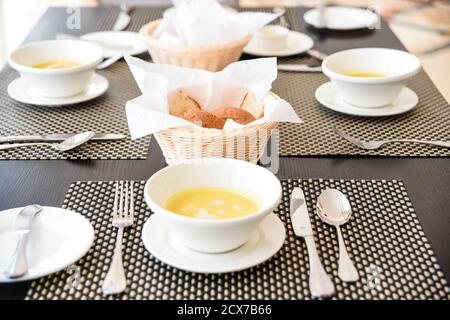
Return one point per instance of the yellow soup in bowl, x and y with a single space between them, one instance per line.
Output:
211 203
56 64
362 74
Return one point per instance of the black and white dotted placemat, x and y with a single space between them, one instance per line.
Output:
384 238
429 120
104 114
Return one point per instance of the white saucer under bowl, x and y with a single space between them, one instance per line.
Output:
263 244
58 239
297 43
21 91
342 18
328 96
117 42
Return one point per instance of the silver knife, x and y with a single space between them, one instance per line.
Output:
123 19
299 68
60 137
22 226
320 283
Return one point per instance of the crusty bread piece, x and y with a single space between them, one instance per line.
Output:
239 115
180 103
204 118
250 105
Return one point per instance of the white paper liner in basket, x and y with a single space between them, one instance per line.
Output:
182 140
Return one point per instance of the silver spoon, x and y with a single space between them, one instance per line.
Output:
68 144
333 208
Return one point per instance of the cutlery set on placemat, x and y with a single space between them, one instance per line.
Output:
334 209
72 141
272 264
41 102
42 226
52 248
69 141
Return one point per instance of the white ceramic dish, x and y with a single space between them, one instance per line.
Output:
329 97
57 83
213 235
397 67
20 90
116 43
297 43
264 242
271 37
342 18
58 238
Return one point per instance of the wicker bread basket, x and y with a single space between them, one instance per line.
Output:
247 143
212 58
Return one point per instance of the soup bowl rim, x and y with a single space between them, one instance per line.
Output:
97 57
334 75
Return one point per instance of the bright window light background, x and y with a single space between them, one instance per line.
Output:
17 18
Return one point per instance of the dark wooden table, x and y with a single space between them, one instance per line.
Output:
46 182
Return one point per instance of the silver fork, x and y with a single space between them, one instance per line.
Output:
123 216
375 144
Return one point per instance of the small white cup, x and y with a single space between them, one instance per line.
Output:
271 38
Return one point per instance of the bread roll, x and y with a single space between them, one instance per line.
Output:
250 105
180 103
204 118
238 115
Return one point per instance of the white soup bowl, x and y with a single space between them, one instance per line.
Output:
57 83
396 66
219 235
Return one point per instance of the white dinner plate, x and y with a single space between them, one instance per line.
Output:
263 244
58 238
297 43
328 96
20 90
342 18
117 42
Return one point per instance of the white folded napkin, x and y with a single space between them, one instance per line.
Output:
149 113
200 23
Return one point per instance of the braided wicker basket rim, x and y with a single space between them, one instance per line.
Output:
208 133
149 28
